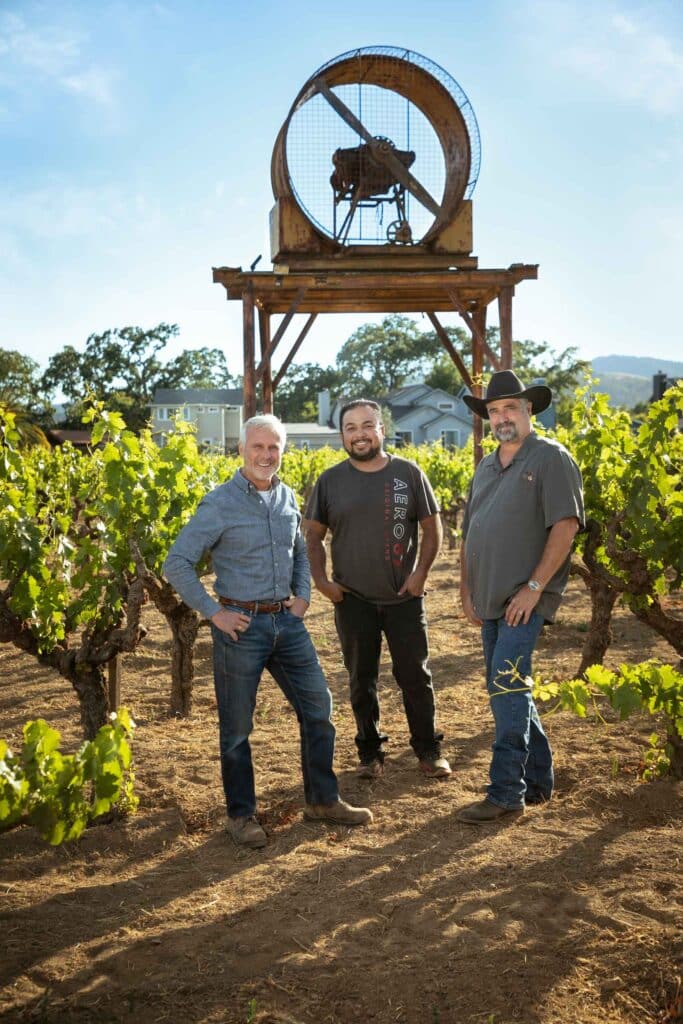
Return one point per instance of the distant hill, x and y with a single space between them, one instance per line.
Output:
624 389
637 366
628 379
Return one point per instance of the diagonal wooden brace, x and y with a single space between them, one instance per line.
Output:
473 327
452 351
277 337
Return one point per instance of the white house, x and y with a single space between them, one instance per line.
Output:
217 415
215 412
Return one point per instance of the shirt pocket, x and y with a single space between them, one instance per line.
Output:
286 528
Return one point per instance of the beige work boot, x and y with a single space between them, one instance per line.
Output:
338 813
247 832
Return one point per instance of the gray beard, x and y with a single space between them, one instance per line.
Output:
509 429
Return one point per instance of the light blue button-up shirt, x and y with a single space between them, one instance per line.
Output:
256 546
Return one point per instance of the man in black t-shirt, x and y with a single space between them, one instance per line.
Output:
372 503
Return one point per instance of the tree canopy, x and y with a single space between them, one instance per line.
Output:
122 368
20 382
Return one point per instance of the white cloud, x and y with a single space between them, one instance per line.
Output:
616 47
94 84
53 53
60 212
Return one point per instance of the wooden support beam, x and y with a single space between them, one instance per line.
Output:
249 383
295 348
478 332
266 375
114 682
471 321
452 351
277 337
505 320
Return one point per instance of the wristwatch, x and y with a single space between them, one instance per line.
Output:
534 585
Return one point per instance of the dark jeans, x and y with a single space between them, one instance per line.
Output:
360 625
281 644
522 763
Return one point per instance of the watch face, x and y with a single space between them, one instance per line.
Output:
534 585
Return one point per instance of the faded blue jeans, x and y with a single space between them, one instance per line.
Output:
280 643
522 763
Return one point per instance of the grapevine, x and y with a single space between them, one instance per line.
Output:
60 793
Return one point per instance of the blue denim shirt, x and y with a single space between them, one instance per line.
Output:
257 548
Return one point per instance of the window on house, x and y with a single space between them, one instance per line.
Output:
188 414
445 405
450 438
404 437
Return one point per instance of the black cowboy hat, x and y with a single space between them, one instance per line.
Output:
506 384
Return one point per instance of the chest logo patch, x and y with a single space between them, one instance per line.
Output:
529 477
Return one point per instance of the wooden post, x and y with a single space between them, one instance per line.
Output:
478 333
266 375
114 681
505 320
249 384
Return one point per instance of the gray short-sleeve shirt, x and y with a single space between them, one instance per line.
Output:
507 519
374 522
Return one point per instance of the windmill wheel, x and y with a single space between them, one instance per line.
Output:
375 127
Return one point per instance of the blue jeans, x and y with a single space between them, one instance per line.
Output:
522 763
280 643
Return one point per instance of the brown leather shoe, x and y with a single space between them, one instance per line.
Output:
338 813
435 767
485 812
247 832
370 770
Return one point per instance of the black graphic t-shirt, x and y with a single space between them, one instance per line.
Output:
373 518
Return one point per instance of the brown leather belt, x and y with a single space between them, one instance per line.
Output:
267 607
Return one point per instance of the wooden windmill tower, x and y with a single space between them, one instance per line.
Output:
373 172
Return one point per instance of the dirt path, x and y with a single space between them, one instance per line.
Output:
565 916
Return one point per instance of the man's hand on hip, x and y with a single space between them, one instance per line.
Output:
232 623
415 584
331 590
297 605
521 606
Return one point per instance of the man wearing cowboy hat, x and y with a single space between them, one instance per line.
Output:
524 509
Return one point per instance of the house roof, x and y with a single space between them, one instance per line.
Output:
76 437
197 396
295 429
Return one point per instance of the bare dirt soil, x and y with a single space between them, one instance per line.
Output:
567 915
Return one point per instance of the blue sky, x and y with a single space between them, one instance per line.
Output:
135 145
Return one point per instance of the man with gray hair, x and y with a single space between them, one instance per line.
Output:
251 527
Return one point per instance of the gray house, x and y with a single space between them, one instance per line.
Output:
215 412
420 414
